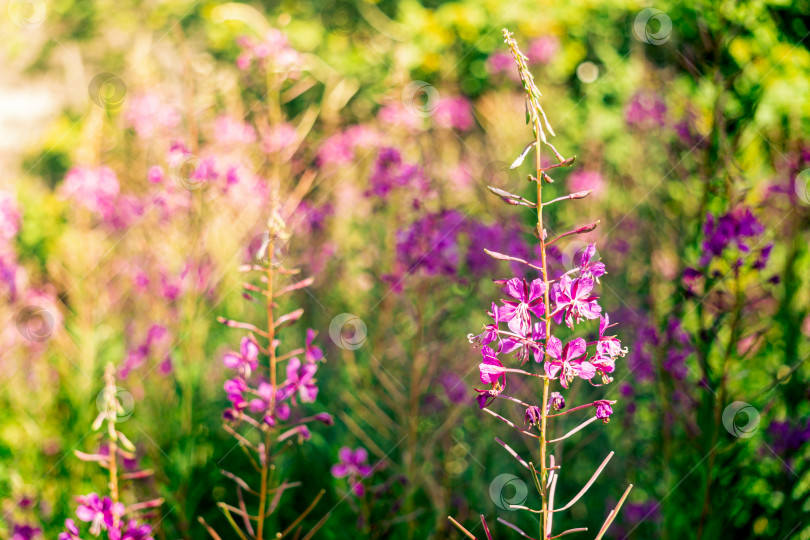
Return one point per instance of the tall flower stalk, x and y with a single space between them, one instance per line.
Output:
264 416
109 514
565 300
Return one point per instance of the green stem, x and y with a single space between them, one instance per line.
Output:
271 333
546 382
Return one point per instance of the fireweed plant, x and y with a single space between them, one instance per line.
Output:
265 413
108 514
523 330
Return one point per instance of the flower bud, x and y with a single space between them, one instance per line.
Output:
533 416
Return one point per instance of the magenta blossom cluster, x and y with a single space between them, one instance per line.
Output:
646 110
148 114
24 531
446 242
518 329
274 48
250 393
97 189
454 113
104 515
342 147
391 172
735 228
788 436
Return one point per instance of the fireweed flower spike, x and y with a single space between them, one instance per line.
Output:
266 413
107 514
536 305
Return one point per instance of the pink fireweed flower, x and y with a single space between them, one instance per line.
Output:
95 189
353 464
340 148
530 301
533 416
274 47
573 301
9 217
235 388
485 397
300 378
567 362
557 401
491 368
502 62
312 353
490 332
278 138
264 401
603 410
395 114
147 114
134 531
608 345
24 531
454 113
232 132
71 532
585 180
246 360
608 348
523 345
543 49
100 513
588 267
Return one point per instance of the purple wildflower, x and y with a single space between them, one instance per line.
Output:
235 389
454 113
788 437
312 353
530 302
608 348
732 228
100 513
573 301
603 410
567 362
431 244
354 465
134 531
645 110
490 332
95 189
72 531
454 388
23 531
543 49
148 115
300 378
391 172
491 368
525 344
533 415
556 401
246 360
264 401
586 266
585 180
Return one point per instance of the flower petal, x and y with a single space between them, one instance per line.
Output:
554 347
515 288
